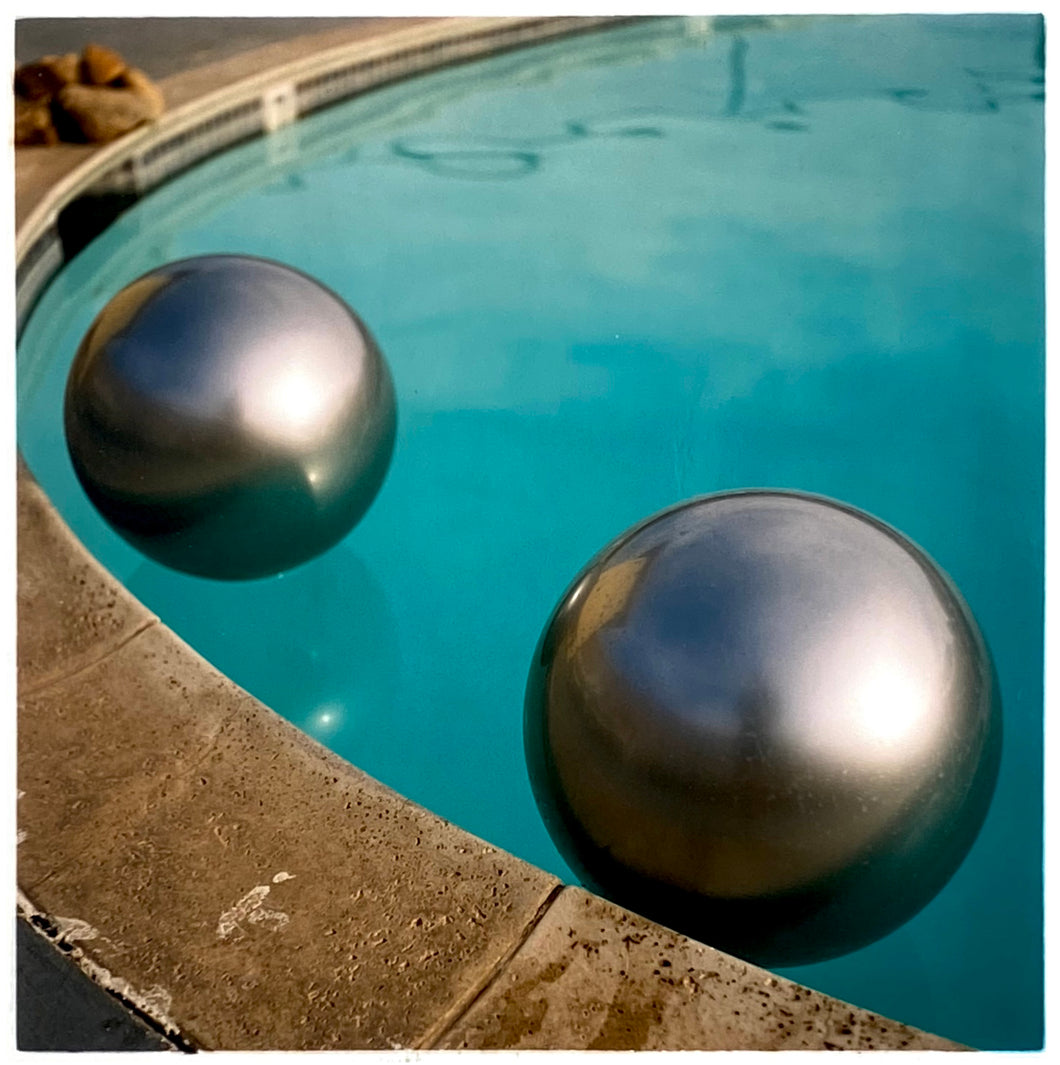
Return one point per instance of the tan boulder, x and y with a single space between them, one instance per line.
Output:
66 67
92 97
33 123
100 113
100 66
138 82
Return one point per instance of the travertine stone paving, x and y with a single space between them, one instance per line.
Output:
593 976
70 610
239 876
107 742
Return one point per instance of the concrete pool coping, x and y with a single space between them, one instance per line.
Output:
235 884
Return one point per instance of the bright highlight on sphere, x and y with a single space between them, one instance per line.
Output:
767 720
229 416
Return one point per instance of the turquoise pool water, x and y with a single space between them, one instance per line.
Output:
611 273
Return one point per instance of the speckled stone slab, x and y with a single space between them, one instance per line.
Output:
102 746
593 976
71 611
244 885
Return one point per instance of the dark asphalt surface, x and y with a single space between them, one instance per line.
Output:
60 1008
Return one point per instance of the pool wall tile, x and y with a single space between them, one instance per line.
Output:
71 612
37 266
593 976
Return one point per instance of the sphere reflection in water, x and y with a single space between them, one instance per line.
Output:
229 416
767 720
333 668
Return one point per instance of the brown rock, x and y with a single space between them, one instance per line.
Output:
33 123
98 113
138 82
37 81
67 67
100 66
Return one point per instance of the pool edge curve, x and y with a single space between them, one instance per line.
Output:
237 885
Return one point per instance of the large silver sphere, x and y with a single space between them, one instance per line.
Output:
767 720
229 416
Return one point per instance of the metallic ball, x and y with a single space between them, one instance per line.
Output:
767 720
229 416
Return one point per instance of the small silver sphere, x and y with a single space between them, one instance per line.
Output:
766 720
229 416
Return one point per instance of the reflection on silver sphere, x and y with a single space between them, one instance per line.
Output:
229 416
767 720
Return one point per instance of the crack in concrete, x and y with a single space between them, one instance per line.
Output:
452 1017
61 675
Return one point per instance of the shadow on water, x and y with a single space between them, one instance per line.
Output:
737 76
331 668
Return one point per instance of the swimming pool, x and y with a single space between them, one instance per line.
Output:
837 287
